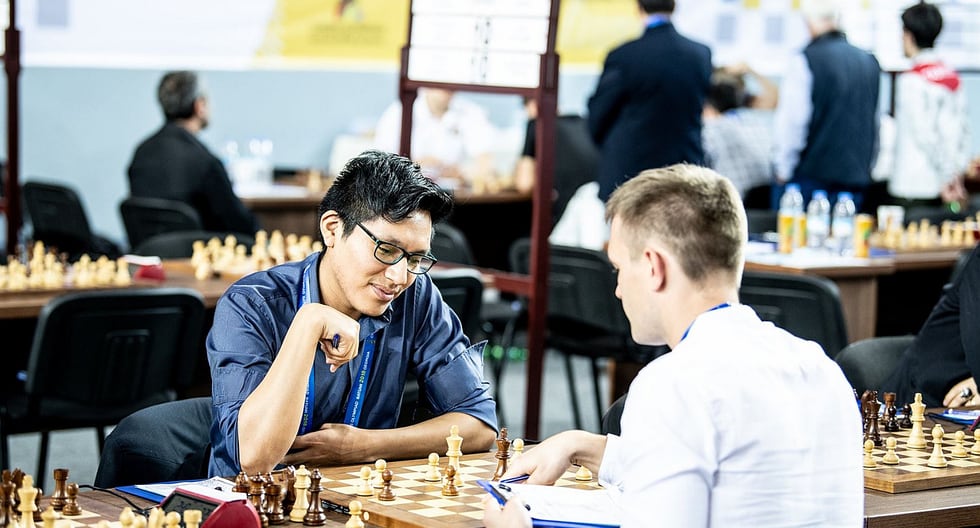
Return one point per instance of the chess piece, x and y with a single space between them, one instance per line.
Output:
890 457
906 421
256 496
959 450
314 514
241 483
917 438
502 455
71 507
869 459
155 518
583 474
432 475
172 520
938 459
48 517
122 277
28 494
449 486
60 495
870 407
127 518
37 506
6 499
891 412
386 494
356 521
518 445
976 442
302 501
192 518
365 489
455 443
379 466
273 504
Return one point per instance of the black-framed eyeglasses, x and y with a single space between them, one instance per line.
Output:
390 254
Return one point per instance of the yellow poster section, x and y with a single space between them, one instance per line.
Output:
374 31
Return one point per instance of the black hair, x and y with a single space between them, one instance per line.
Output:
177 93
727 91
379 184
924 22
657 6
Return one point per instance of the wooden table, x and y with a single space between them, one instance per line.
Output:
860 282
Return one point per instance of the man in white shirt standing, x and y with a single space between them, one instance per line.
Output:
932 130
452 139
742 424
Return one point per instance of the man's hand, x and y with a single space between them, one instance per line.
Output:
511 515
547 462
331 445
962 394
337 334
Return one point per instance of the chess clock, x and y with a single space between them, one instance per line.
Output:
218 509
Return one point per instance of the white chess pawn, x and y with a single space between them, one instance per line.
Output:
380 465
976 442
365 489
869 459
433 475
518 446
890 457
938 459
959 450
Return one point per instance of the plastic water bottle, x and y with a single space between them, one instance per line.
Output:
817 220
842 225
790 213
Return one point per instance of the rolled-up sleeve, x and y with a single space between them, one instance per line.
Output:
450 369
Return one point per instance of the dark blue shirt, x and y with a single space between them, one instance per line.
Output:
418 333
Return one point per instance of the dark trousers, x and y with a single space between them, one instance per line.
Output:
163 443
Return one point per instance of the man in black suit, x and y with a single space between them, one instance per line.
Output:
173 164
646 110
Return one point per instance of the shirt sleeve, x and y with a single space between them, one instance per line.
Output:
792 119
450 370
607 101
225 204
239 356
477 131
663 461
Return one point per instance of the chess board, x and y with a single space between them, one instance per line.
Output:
87 518
912 473
420 504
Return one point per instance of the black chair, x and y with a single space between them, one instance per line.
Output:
59 220
164 443
449 244
98 356
462 289
806 306
576 165
584 316
146 217
180 244
758 197
869 362
610 423
761 220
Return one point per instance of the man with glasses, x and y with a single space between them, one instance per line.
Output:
309 359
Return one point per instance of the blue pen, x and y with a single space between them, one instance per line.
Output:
512 480
336 340
496 493
957 412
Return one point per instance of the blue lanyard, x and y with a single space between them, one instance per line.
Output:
359 388
719 307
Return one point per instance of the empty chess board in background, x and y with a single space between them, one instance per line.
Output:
420 504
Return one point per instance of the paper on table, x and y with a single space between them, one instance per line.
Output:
164 489
569 505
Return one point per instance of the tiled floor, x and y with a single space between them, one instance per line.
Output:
77 450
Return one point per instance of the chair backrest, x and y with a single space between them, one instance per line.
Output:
761 220
610 423
462 289
806 306
180 244
449 245
578 163
115 351
869 362
758 197
146 217
57 216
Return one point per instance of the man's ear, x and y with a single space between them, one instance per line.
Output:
331 228
656 264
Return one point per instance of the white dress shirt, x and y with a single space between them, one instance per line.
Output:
792 121
932 130
742 424
455 138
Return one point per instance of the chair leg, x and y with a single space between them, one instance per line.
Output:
598 393
42 459
570 373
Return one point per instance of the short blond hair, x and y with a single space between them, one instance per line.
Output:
694 210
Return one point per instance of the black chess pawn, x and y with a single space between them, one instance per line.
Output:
71 503
273 504
906 422
241 483
891 412
386 494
